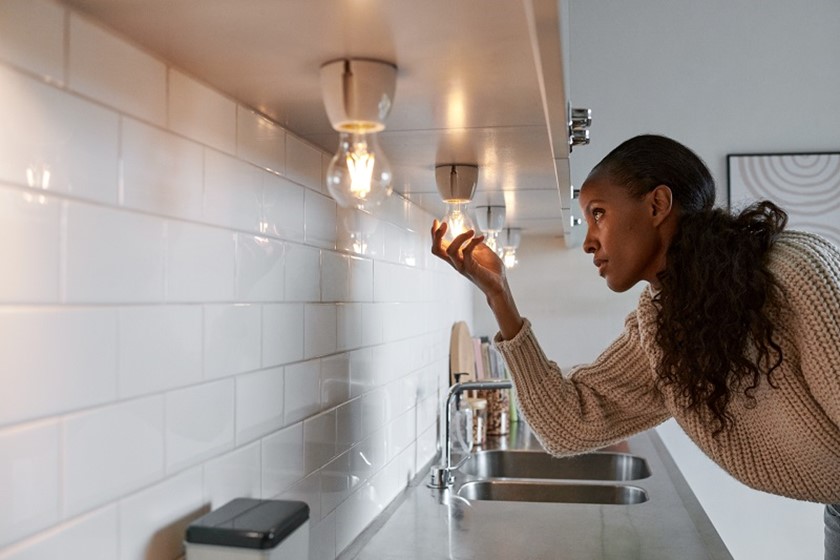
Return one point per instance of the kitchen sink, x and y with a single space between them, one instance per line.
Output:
537 464
555 492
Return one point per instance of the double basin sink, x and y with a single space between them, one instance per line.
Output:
535 476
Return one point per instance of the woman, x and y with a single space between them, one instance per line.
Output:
737 335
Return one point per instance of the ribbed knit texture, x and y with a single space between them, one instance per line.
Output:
787 442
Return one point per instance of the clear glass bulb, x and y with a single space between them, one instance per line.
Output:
492 241
457 220
509 257
359 175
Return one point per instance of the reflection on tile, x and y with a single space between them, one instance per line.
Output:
302 392
110 70
111 451
199 423
282 335
402 432
374 410
159 348
303 163
350 326
303 273
200 263
282 208
259 404
335 277
161 172
362 372
29 461
93 536
55 141
124 266
232 339
320 220
153 522
335 380
201 113
307 490
234 475
361 279
32 36
282 460
232 192
372 324
336 483
320 329
356 232
322 540
260 268
426 447
319 440
57 360
349 425
260 141
29 238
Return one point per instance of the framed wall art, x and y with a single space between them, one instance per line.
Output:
805 185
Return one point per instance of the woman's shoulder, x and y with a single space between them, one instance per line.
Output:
805 256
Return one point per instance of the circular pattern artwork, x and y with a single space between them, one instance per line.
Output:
806 186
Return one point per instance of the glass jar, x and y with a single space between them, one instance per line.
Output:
498 411
479 420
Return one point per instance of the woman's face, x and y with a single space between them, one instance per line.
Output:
623 233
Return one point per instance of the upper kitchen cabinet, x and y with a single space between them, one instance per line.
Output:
478 82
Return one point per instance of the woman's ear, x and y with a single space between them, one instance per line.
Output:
661 203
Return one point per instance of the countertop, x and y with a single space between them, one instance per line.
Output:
424 523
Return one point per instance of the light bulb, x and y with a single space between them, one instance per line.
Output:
359 175
509 257
457 220
491 240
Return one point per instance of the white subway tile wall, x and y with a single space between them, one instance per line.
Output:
186 316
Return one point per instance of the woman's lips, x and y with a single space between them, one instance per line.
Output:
600 263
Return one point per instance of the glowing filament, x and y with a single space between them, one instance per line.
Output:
360 166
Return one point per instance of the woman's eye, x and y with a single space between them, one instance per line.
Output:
597 214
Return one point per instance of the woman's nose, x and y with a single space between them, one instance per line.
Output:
589 243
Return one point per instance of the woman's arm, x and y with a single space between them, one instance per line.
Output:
477 262
601 403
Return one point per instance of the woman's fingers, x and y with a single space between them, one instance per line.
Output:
438 231
474 242
455 247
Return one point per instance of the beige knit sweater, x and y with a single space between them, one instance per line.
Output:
787 444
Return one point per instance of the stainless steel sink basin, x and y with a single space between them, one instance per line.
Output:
537 464
525 491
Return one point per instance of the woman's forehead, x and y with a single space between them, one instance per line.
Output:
601 187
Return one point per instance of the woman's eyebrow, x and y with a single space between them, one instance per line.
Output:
592 202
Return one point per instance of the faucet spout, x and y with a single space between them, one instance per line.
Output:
441 475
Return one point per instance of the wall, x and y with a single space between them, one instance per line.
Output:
570 307
722 77
185 316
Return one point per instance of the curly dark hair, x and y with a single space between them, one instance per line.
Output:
717 296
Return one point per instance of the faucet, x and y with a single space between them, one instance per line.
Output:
441 474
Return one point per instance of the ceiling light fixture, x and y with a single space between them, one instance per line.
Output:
358 95
510 239
491 220
456 184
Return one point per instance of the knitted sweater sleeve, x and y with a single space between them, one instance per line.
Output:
811 269
599 404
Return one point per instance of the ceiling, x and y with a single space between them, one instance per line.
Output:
479 82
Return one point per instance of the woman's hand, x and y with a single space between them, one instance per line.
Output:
482 266
471 257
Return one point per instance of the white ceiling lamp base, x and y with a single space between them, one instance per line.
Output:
491 220
509 240
358 95
456 184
